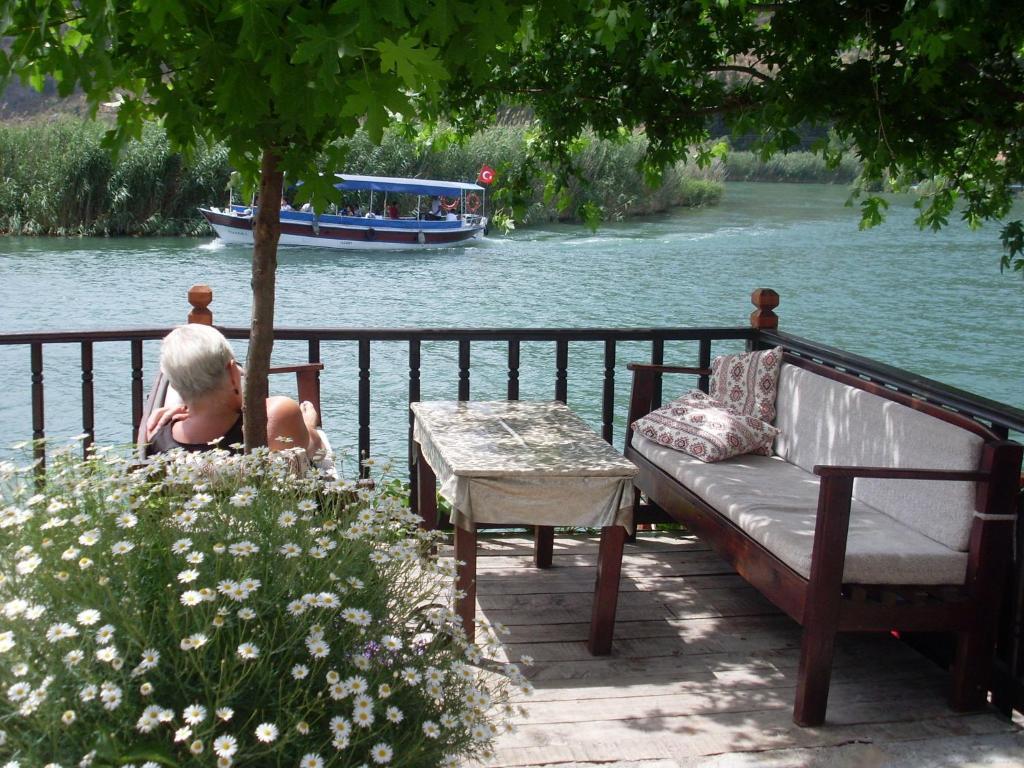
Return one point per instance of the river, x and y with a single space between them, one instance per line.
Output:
933 303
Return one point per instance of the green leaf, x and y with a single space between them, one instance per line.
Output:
416 66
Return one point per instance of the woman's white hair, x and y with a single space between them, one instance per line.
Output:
195 358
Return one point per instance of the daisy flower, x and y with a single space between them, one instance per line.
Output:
306 505
299 671
198 640
225 713
311 760
430 729
248 652
105 634
356 685
181 546
287 519
246 614
188 576
382 753
266 732
182 734
19 691
194 558
88 617
290 550
318 649
394 714
391 643
68 717
225 746
191 598
340 727
194 714
73 658
126 520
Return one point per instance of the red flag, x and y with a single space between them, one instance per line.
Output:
486 175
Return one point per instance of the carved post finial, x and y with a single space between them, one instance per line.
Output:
763 318
200 296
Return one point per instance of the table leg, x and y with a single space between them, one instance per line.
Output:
606 590
465 582
426 491
543 545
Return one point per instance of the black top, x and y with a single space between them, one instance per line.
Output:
164 441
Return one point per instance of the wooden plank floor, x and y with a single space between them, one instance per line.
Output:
703 671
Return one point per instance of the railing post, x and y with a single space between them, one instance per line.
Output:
88 399
561 370
364 405
463 369
38 416
608 404
513 369
657 358
414 396
200 296
136 385
763 318
704 361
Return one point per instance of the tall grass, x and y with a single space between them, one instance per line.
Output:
799 167
609 173
56 178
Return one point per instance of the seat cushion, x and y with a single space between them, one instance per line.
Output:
823 421
775 503
748 381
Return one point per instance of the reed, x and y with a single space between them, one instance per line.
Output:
795 167
59 180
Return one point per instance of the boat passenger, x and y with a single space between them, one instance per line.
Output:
201 367
434 214
284 204
393 211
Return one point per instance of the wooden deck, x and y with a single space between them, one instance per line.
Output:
703 670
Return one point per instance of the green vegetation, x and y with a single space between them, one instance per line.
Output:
59 180
801 167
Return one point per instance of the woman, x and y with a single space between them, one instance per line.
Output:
200 366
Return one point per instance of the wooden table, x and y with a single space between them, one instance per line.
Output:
524 463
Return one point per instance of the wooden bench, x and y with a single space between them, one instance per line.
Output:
877 512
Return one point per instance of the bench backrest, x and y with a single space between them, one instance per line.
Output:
828 421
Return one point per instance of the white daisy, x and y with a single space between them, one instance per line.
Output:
105 634
19 691
306 505
126 520
69 717
62 631
318 649
188 576
181 546
300 671
430 729
122 547
290 550
225 713
266 732
248 652
382 753
394 714
191 598
194 714
246 614
225 746
340 727
311 760
287 519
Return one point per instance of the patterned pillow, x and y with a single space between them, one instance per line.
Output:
748 382
706 429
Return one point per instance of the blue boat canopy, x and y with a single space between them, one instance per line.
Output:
352 182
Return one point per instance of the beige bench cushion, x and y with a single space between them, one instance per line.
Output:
775 503
822 421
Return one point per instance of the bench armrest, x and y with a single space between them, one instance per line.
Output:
641 399
898 473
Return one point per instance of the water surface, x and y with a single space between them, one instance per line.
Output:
933 303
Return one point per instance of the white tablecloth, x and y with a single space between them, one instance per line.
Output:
523 462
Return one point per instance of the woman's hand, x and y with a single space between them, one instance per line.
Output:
163 415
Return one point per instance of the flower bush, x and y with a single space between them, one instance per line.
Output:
219 610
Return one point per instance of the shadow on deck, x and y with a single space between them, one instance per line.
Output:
703 672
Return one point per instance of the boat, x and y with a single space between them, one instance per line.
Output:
460 220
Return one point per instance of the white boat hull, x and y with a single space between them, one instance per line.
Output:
350 233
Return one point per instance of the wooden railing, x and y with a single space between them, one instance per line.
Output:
1008 685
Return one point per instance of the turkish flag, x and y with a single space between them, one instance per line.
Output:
486 175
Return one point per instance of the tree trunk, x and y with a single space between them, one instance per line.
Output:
265 234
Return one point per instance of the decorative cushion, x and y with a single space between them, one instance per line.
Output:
748 382
706 429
